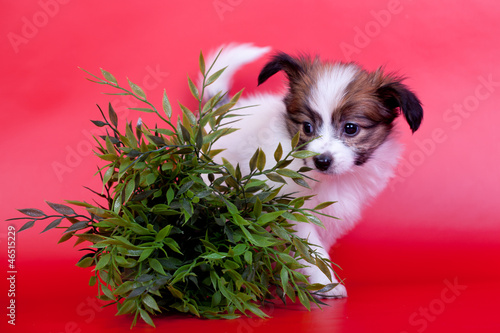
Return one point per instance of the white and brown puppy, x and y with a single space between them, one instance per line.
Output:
349 112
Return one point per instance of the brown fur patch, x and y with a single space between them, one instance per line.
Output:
298 110
362 105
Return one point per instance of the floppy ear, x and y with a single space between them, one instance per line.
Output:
281 62
396 94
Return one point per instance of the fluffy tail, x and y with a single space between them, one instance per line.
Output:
232 56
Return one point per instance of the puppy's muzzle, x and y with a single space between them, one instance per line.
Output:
323 161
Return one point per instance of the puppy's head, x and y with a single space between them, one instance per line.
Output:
348 111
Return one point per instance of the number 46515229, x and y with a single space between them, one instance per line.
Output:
11 246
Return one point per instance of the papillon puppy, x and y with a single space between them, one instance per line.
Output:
344 113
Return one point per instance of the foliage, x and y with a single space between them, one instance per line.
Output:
181 232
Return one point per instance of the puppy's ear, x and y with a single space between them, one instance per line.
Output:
281 62
396 94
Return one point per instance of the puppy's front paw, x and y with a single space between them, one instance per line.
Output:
333 290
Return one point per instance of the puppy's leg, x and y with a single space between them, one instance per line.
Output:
315 275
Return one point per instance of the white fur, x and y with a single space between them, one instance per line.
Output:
328 92
233 56
264 126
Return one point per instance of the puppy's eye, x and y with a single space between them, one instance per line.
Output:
351 129
308 128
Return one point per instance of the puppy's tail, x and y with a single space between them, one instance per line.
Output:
233 57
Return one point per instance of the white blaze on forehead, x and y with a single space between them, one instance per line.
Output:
325 97
329 89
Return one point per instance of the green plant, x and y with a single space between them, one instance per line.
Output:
177 231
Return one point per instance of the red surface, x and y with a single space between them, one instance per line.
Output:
438 220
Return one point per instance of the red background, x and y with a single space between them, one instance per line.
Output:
438 220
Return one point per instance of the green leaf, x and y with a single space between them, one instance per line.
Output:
257 208
257 240
222 110
261 160
120 240
324 205
53 224
167 108
85 262
112 115
65 237
248 257
172 244
269 217
253 160
185 134
77 226
98 123
163 233
79 203
304 300
199 138
103 261
128 306
315 220
236 97
284 277
301 182
303 250
289 173
216 298
324 268
214 76
187 113
147 319
239 249
193 89
185 187
108 76
27 225
61 209
280 232
272 194
215 256
213 136
202 63
284 163
295 140
304 154
145 254
278 153
148 110
130 136
110 147
255 310
92 281
150 301
297 202
136 89
275 178
107 293
170 195
33 212
155 264
176 293
108 157
136 292
129 189
93 238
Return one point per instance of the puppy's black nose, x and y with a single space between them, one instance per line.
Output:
323 161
